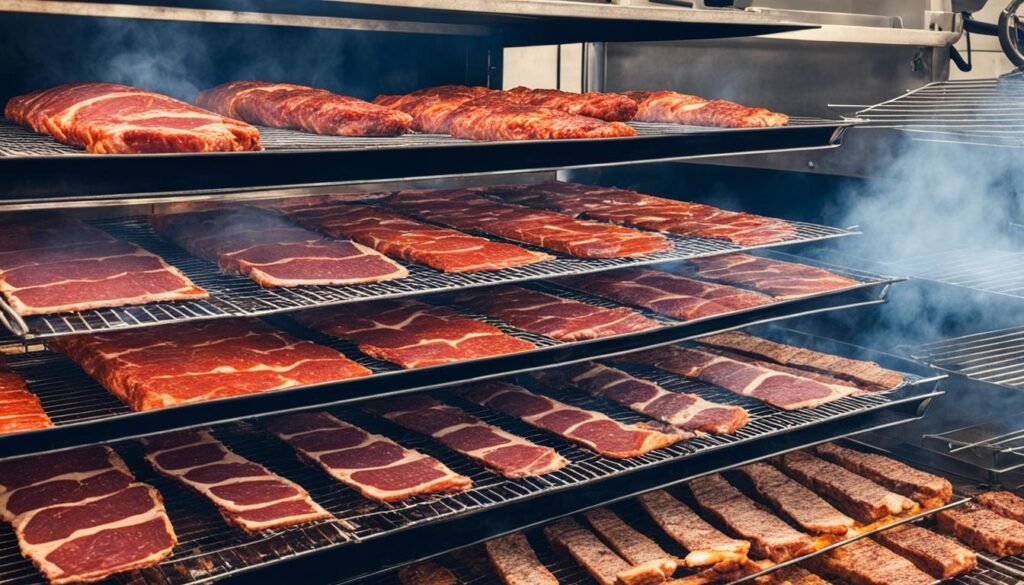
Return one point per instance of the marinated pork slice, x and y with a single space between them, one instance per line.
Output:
402 237
247 495
505 453
757 380
925 488
1004 503
272 251
606 567
869 375
769 536
679 108
704 543
797 502
589 428
556 317
466 210
412 334
203 360
647 211
285 105
374 465
610 107
861 498
669 294
80 516
492 117
780 279
688 412
432 107
865 562
628 543
983 529
516 563
936 555
20 409
108 118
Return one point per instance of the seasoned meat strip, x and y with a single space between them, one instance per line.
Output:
630 544
797 502
936 555
865 562
983 529
705 544
922 487
601 562
516 563
1006 504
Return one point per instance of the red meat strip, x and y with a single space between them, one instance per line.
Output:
647 211
272 251
781 389
402 237
412 334
53 264
779 279
490 117
769 536
611 107
430 108
80 516
199 361
559 318
586 427
20 409
375 466
505 453
247 495
868 375
284 105
107 118
685 411
679 108
466 210
669 294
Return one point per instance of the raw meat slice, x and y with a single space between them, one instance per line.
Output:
780 279
755 379
669 294
20 409
375 466
107 118
610 107
791 575
516 563
865 562
704 543
861 498
586 427
983 529
797 502
272 251
412 334
247 495
936 555
606 567
924 488
52 264
647 211
431 107
402 237
679 409
1006 504
679 108
80 516
284 105
636 548
769 536
427 573
203 360
493 117
559 318
505 453
468 211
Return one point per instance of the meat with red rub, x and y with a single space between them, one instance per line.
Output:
678 108
611 107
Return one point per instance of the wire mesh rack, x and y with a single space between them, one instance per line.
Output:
996 357
986 112
236 296
992 271
208 550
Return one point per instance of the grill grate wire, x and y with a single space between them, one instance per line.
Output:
996 357
209 550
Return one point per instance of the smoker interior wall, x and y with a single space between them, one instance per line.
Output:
179 58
